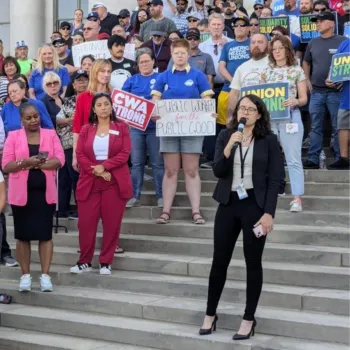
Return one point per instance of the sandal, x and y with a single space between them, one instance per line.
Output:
162 219
199 220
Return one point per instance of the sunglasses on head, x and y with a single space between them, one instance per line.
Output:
53 83
240 25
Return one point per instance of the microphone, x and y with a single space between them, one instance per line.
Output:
240 129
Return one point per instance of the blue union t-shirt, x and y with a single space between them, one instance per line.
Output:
344 47
234 54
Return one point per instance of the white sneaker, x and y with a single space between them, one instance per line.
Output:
45 283
105 269
133 202
81 268
295 206
160 203
25 283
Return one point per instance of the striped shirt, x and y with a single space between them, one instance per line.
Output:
3 88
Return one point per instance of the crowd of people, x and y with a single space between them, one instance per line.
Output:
57 120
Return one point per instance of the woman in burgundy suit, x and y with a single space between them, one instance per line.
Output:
104 184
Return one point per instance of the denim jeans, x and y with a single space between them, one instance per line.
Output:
318 103
291 144
143 142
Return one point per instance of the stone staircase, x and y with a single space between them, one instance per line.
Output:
156 296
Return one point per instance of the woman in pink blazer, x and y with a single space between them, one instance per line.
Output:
31 156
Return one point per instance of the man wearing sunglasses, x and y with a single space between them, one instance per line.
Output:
65 30
124 21
258 7
66 60
193 20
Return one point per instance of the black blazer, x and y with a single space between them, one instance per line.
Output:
266 171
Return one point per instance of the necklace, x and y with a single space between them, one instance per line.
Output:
246 138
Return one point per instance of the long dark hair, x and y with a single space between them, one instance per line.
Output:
137 24
93 117
262 125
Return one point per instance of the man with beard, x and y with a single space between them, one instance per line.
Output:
156 10
122 68
24 62
200 8
230 13
290 9
249 73
180 18
305 7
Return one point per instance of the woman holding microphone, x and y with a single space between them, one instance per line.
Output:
247 165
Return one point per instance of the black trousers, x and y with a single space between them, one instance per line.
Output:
229 220
5 248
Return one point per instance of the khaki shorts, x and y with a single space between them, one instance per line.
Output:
344 119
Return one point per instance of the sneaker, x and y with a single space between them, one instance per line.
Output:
340 164
295 206
282 194
25 283
160 203
81 268
73 216
306 143
308 164
207 165
45 283
133 202
9 261
105 269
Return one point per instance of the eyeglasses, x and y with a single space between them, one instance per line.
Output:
320 10
240 25
142 16
249 110
87 29
280 48
192 38
254 25
93 19
192 20
65 28
258 8
59 45
53 83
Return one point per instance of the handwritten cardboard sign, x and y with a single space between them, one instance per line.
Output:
267 24
308 29
98 49
185 117
273 95
340 67
134 110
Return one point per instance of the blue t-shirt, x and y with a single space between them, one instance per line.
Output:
344 47
186 84
12 119
36 80
141 86
295 12
234 54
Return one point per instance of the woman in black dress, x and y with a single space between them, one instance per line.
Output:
31 157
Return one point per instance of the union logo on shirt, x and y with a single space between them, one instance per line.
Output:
189 82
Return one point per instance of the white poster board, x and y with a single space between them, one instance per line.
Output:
186 117
98 49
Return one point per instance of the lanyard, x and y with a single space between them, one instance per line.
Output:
154 50
243 158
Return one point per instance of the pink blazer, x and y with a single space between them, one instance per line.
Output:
16 147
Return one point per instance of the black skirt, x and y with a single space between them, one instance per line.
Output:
33 222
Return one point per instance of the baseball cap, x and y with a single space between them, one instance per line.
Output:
92 14
80 73
65 24
59 42
158 28
21 43
78 31
259 2
124 13
242 18
156 2
323 16
194 15
193 33
96 5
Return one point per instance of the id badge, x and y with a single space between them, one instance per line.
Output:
292 128
241 191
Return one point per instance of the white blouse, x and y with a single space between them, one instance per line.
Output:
248 168
100 147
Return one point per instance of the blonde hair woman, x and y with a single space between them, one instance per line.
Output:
47 62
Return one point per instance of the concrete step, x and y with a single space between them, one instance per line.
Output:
196 247
334 203
274 272
326 176
332 301
19 339
141 332
311 188
296 324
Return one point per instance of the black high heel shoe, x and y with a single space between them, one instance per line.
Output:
243 337
206 331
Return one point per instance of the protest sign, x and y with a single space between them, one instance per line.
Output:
340 67
134 110
273 95
130 51
267 24
308 29
186 117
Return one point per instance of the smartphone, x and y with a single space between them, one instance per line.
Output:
43 155
258 231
